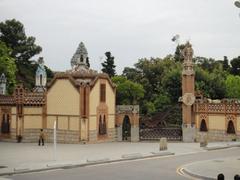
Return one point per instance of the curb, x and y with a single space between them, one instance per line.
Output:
186 171
127 157
222 147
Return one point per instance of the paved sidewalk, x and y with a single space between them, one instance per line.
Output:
211 168
25 157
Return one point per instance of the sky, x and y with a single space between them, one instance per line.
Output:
129 29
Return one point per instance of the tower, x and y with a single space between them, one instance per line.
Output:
41 76
188 94
79 60
3 83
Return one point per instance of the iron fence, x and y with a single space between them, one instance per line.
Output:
172 134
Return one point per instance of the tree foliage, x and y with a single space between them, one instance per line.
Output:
23 48
108 65
7 66
128 92
233 86
12 32
235 63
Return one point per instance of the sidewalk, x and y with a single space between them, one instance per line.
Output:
211 168
27 157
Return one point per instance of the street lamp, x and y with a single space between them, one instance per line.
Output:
237 3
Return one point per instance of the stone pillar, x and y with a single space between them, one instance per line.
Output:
119 133
134 133
188 133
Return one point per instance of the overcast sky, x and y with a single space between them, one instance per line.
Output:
130 29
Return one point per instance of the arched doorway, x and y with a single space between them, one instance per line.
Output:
230 128
5 124
203 126
126 129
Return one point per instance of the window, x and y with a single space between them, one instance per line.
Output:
102 129
103 92
230 128
104 125
84 102
40 79
81 58
5 126
203 126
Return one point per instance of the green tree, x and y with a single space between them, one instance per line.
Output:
235 63
178 57
128 92
12 32
233 86
225 62
23 48
108 65
7 66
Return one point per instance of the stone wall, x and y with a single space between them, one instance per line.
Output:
30 135
63 136
92 135
217 135
112 136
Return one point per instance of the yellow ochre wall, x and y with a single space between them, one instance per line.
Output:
238 123
110 101
33 122
63 98
94 99
63 123
74 123
33 117
217 122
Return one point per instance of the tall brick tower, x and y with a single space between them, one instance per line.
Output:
188 96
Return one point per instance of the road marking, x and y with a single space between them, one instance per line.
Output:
181 173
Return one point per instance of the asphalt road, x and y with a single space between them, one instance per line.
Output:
148 169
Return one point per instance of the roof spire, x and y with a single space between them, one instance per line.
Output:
80 58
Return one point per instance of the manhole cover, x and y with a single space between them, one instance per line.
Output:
218 161
3 167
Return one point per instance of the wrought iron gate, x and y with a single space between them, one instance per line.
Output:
172 134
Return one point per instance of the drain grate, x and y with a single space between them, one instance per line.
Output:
3 167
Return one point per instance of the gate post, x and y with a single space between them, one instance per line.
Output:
119 133
132 111
134 133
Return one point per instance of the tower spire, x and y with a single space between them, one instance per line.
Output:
80 58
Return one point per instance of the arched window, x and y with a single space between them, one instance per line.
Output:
100 125
104 125
5 125
40 79
203 126
230 128
81 58
102 128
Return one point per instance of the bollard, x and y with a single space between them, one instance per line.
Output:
220 177
163 144
203 141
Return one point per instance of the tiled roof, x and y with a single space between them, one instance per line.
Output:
6 100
